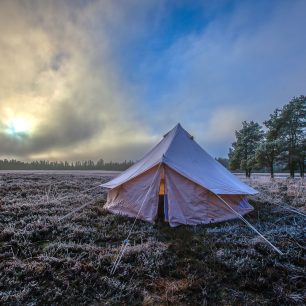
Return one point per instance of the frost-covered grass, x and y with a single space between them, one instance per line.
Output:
288 192
45 261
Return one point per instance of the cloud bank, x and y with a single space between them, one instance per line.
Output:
59 77
106 78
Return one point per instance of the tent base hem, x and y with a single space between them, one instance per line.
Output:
174 223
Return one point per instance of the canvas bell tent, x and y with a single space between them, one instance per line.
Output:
179 182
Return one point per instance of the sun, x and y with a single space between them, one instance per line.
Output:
19 126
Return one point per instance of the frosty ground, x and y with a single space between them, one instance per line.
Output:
44 260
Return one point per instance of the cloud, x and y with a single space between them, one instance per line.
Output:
221 125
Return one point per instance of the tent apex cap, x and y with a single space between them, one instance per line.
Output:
178 127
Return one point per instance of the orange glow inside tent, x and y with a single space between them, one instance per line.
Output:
162 187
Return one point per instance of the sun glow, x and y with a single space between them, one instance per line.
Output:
19 126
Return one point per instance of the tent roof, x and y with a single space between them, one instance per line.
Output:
179 151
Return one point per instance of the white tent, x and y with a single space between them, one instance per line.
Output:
190 183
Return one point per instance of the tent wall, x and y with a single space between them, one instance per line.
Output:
140 192
190 203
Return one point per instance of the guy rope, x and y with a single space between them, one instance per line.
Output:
251 226
126 241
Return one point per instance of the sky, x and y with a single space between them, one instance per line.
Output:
107 78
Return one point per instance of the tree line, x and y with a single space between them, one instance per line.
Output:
64 165
279 142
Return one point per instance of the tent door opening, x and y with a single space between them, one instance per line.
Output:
162 211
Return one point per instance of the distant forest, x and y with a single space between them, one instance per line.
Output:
64 165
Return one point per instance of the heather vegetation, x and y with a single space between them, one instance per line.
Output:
44 260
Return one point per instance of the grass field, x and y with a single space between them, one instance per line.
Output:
47 261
